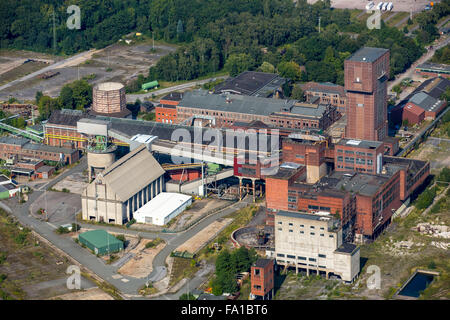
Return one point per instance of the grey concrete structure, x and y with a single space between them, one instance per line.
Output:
313 242
122 188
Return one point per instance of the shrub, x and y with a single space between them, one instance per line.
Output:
121 237
62 230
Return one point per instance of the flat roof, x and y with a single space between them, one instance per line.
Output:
346 248
7 186
436 67
309 216
106 86
363 144
14 140
251 83
262 263
201 99
367 54
364 184
163 205
45 169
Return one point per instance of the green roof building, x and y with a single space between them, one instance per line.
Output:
100 241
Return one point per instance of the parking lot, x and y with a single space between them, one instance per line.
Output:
62 206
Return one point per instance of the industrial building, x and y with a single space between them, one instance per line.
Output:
431 69
100 242
262 279
366 75
252 83
163 208
313 242
122 188
326 92
19 148
8 188
108 99
223 110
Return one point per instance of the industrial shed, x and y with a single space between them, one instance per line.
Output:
100 241
123 187
163 208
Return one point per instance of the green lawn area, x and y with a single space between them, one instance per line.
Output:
393 21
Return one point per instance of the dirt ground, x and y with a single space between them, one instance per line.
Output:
434 150
140 265
201 238
90 294
117 62
29 269
198 209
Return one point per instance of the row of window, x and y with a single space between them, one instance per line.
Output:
289 256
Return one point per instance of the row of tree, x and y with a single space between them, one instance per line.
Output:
75 95
228 265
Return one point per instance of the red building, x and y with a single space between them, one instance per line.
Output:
366 75
358 155
326 92
61 129
166 111
262 279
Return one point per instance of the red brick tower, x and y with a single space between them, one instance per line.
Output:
366 75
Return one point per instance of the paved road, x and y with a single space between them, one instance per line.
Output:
131 98
48 68
127 285
409 73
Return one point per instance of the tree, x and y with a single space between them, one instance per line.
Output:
297 93
187 296
238 63
290 70
66 97
267 67
39 95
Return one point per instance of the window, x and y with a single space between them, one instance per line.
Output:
301 258
301 226
280 255
322 228
290 256
322 235
339 158
312 259
312 227
312 233
331 236
280 229
302 232
291 230
279 222
290 224
322 256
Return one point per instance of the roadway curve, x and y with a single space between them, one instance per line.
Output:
128 286
131 98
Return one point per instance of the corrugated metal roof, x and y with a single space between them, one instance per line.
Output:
162 205
100 238
132 173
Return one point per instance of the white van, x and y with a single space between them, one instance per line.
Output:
385 6
390 6
370 5
379 5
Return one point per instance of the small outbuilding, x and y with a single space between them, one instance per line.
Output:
100 241
163 208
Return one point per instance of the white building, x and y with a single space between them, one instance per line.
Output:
163 208
122 188
313 242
